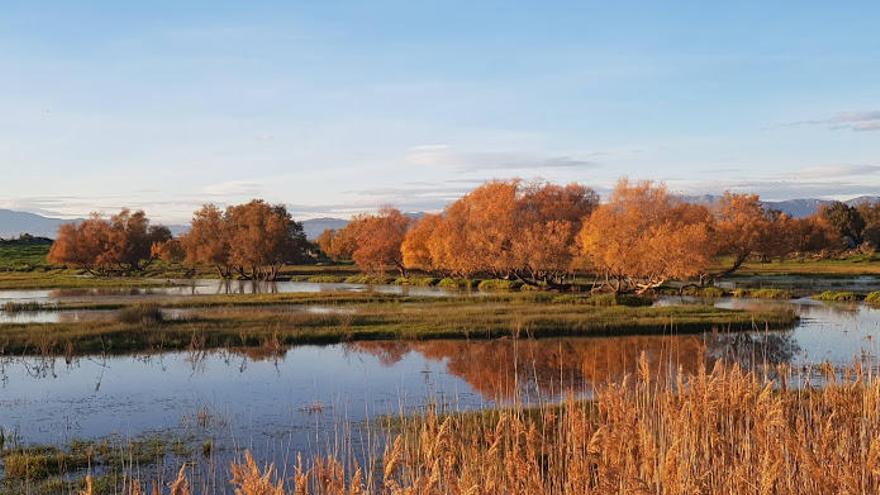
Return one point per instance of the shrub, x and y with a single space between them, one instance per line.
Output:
707 292
143 314
499 284
873 298
457 283
770 294
838 296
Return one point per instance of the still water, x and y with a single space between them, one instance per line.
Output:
296 400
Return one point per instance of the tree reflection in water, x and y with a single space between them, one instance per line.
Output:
506 369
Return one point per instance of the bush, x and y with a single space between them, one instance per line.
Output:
499 284
873 298
457 283
838 296
143 314
770 294
707 292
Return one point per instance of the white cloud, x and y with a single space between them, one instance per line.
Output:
233 188
441 155
854 121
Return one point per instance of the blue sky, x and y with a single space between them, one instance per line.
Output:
341 107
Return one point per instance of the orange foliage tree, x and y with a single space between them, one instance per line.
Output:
123 244
504 229
253 240
372 241
644 237
337 244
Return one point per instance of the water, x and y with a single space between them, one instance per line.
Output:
279 403
201 287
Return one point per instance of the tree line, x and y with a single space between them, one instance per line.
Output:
540 234
250 241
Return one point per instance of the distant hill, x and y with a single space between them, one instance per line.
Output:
315 226
15 223
797 208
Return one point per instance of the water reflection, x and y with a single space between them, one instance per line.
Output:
545 369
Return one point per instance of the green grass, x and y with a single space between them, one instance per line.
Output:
45 469
24 257
382 318
849 266
499 284
838 296
763 293
704 292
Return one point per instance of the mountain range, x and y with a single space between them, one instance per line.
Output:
797 208
14 223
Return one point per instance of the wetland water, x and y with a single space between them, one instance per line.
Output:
278 403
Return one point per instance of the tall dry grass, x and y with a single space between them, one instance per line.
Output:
719 431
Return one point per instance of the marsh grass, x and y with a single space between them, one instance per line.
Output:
45 469
30 306
839 296
142 327
141 314
873 299
763 293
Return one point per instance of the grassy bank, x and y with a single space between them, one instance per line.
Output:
371 317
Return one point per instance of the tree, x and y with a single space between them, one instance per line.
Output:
262 238
122 244
170 251
207 241
742 228
253 240
378 239
417 246
846 220
337 244
547 219
504 229
870 212
644 237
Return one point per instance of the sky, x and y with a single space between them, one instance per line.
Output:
336 107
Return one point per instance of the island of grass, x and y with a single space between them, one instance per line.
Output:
277 320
